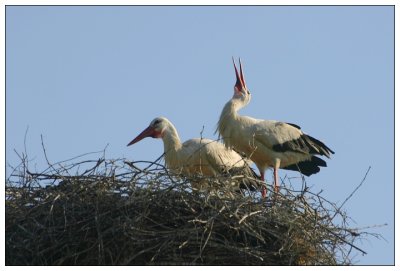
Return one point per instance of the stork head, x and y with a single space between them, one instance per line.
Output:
240 91
156 129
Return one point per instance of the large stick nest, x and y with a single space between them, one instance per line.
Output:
115 212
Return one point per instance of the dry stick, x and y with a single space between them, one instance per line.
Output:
45 154
247 215
345 241
60 176
73 158
99 235
155 162
26 152
162 166
23 164
352 193
51 166
101 160
338 210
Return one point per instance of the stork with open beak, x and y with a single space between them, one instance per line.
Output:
199 157
268 143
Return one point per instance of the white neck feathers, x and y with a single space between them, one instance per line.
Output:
172 142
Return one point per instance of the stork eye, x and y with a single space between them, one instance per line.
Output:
157 122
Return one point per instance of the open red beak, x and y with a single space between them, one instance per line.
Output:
240 83
149 131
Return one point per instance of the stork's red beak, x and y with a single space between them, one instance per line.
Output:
240 83
149 131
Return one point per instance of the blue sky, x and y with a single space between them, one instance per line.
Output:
85 77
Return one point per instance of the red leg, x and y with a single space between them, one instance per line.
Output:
264 188
276 182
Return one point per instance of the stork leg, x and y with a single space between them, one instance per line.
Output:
276 182
264 188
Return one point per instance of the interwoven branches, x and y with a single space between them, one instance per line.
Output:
115 212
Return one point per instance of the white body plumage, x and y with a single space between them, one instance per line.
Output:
197 157
268 143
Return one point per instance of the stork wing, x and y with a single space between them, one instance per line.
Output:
283 137
271 133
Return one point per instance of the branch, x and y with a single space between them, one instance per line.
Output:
352 193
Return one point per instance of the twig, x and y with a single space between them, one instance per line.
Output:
247 215
347 242
352 193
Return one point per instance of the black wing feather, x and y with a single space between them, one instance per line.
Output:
308 167
304 144
294 125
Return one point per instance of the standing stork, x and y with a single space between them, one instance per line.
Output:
268 143
199 156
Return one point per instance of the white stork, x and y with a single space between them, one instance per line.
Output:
268 143
199 156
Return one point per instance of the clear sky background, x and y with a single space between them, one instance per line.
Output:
85 77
